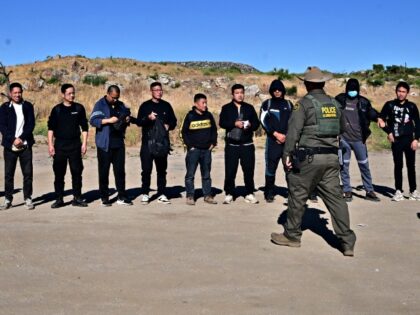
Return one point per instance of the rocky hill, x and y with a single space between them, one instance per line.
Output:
181 80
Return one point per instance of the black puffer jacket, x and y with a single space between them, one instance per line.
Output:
366 112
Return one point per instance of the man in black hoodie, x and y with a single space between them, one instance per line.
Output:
240 121
199 134
274 115
358 113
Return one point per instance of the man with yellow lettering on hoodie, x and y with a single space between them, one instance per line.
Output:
199 135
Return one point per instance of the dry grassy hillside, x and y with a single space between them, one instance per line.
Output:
91 77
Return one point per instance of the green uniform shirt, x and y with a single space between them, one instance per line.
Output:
304 115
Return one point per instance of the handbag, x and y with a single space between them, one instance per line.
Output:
235 134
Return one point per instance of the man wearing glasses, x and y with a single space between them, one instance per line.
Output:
149 112
111 118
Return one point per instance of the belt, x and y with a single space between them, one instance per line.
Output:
321 150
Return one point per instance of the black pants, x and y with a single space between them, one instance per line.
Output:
273 155
116 157
10 161
74 158
246 155
402 145
161 164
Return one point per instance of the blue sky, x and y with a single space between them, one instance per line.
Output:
340 36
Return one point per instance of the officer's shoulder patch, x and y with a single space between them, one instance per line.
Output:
296 106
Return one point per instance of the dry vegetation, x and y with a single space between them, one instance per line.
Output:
42 81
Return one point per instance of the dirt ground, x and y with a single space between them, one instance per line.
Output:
204 259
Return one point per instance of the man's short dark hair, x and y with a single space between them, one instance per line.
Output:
237 86
66 86
199 96
15 85
155 84
113 88
404 85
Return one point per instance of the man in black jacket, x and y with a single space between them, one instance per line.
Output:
64 125
149 111
240 121
274 115
399 118
358 113
17 123
199 134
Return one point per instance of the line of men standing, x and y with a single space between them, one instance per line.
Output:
68 133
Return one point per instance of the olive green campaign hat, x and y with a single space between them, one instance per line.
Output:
314 74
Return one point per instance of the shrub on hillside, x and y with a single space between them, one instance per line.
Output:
291 90
95 80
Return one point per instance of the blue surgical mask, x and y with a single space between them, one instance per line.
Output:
352 93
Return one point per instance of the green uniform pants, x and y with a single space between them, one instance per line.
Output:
321 172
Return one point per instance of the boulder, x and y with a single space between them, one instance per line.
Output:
252 90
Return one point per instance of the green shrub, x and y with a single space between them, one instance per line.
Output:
378 139
378 68
41 128
375 82
95 80
291 90
3 80
53 80
282 74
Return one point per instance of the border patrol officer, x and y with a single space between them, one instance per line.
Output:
310 155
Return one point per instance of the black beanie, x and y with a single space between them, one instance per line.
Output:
277 85
353 85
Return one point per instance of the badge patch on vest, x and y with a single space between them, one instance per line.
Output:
200 124
329 111
296 106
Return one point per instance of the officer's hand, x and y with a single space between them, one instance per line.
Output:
414 145
51 150
239 124
287 163
391 138
381 123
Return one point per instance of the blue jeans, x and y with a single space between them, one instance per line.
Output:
360 151
193 158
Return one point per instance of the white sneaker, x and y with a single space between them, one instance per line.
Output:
228 199
29 205
7 204
415 195
145 199
163 199
398 196
251 199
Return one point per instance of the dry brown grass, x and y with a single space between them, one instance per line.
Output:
137 91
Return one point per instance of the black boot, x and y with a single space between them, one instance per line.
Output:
269 188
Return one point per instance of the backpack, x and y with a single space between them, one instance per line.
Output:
158 142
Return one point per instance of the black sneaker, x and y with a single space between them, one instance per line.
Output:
57 204
348 196
371 196
124 202
79 202
106 203
269 198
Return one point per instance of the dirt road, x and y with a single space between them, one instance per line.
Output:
204 259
